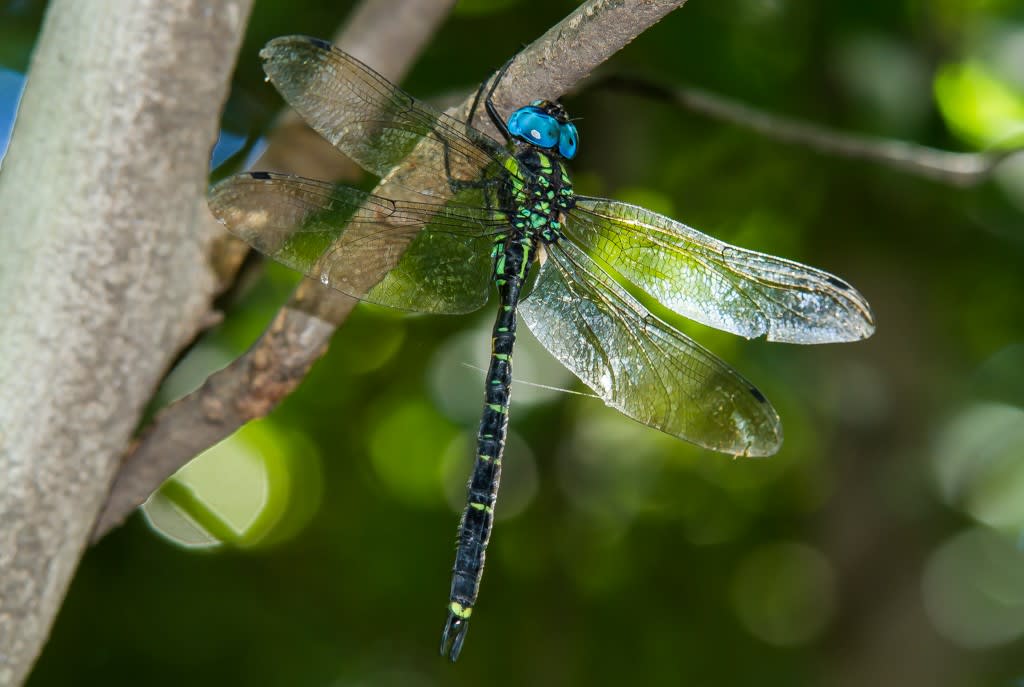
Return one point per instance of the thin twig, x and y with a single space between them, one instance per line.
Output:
253 385
956 169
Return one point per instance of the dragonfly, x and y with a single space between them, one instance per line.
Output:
474 215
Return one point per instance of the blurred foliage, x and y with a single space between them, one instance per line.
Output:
879 547
978 106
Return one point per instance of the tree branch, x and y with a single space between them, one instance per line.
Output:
253 385
947 167
104 273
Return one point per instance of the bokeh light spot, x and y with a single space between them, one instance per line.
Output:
973 588
11 85
978 106
889 82
608 466
373 343
406 448
979 463
784 593
257 487
458 370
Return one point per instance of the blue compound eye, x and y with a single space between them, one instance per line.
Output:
568 140
534 126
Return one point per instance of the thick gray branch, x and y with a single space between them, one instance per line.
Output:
103 273
252 385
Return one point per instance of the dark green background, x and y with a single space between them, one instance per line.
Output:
879 547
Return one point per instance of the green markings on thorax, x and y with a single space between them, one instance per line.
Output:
532 201
512 165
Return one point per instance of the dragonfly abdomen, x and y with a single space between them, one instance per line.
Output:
534 199
512 257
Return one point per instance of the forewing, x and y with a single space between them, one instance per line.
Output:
348 239
640 365
737 290
373 121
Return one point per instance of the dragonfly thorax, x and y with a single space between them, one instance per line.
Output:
537 194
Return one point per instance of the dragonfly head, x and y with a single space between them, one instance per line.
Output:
544 124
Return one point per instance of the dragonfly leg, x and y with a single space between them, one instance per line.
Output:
492 111
456 184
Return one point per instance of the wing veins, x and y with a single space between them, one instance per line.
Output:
620 309
821 307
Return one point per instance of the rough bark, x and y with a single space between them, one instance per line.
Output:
104 269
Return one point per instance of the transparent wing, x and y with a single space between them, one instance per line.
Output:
370 119
640 365
347 239
729 288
